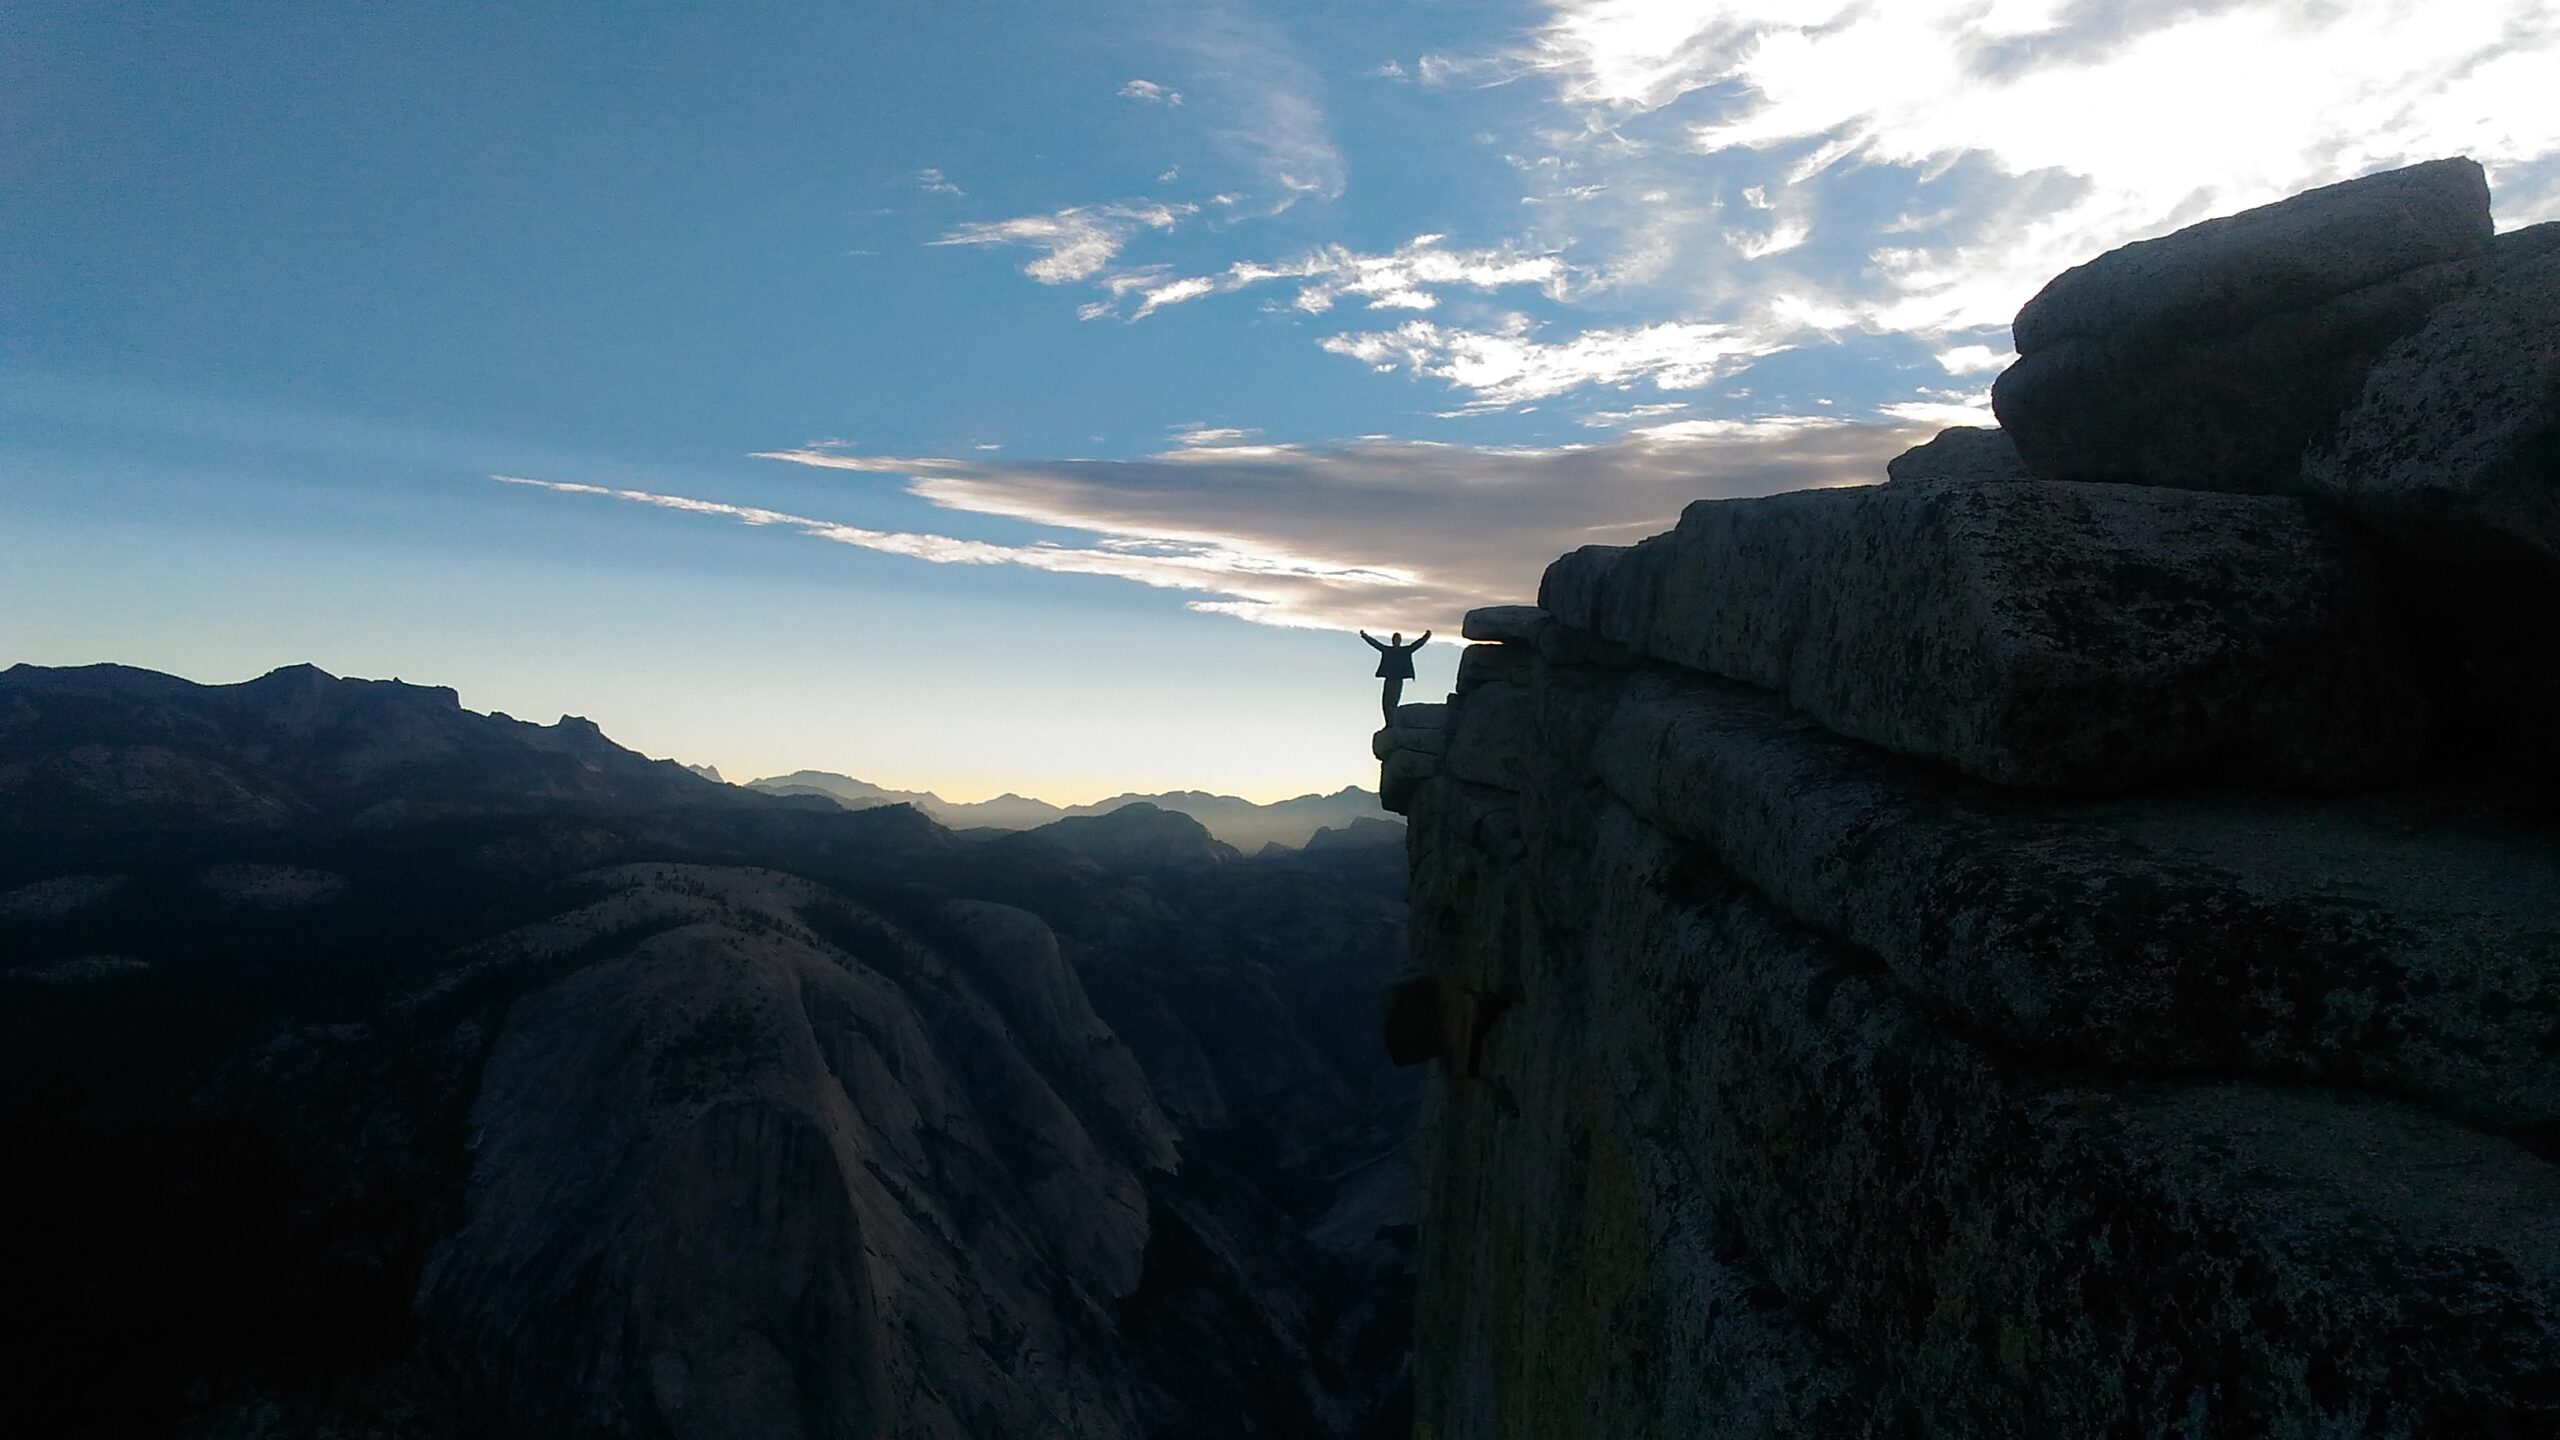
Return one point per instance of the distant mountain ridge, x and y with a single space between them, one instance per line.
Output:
1242 823
405 1070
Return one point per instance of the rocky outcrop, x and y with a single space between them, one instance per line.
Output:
729 1183
2455 439
1989 955
1961 452
2210 357
2081 637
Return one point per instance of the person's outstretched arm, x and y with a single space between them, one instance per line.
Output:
1418 644
1374 642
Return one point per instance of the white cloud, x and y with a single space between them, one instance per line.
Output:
1075 243
1406 278
1149 92
1941 410
1395 533
1613 419
1191 562
1173 292
931 181
1975 359
2085 126
1511 365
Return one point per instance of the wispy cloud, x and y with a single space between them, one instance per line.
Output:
1193 562
1409 277
1075 243
1264 96
1383 532
1149 92
1199 437
1512 365
932 182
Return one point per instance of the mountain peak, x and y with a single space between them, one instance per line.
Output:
1140 834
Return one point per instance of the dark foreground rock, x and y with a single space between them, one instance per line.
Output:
1812 1053
1784 1086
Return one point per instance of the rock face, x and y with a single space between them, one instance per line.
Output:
2208 358
1962 452
1812 1052
733 1185
2083 637
2457 431
2221 274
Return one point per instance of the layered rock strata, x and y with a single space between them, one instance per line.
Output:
1998 956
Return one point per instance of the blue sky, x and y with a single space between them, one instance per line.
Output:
980 397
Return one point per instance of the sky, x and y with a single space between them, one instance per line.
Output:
977 397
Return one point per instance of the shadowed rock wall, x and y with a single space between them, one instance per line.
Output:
2006 955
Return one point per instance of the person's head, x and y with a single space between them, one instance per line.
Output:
1396 639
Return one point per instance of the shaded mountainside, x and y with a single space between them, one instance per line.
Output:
380 1068
1245 824
2065 943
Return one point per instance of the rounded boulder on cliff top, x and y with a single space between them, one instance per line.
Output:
2218 275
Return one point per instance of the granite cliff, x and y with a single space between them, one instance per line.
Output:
2063 943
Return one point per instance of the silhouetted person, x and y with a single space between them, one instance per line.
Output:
1395 664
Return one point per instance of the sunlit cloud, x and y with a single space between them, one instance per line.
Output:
1283 583
1512 364
1708 184
1939 410
2057 112
1975 359
1410 277
1149 92
1386 532
1075 243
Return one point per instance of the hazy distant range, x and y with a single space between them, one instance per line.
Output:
1352 813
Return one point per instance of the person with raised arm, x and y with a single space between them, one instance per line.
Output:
1395 664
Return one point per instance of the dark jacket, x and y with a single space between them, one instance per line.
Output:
1395 662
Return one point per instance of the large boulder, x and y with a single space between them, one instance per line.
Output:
2455 442
1961 452
2210 357
2086 637
1503 622
2217 275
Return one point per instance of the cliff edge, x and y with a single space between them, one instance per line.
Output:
2063 943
